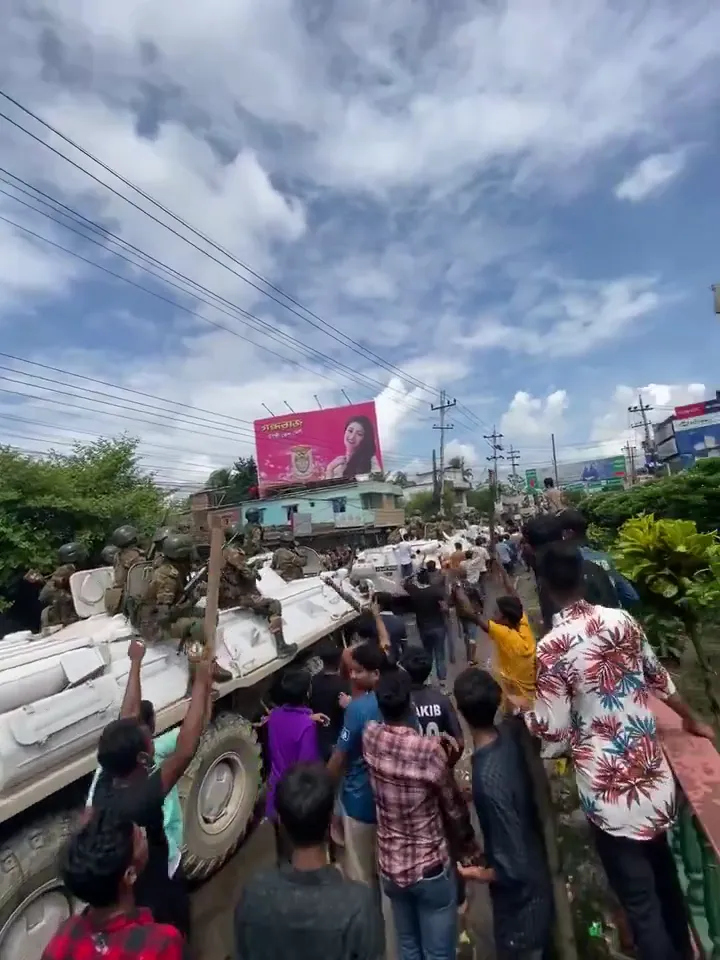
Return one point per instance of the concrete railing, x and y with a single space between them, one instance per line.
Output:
695 840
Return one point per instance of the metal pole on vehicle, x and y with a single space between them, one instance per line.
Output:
217 542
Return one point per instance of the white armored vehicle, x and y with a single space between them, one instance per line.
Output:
58 692
378 567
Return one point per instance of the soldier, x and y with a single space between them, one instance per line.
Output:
287 561
125 538
108 554
166 613
253 540
55 596
155 551
238 588
395 536
416 528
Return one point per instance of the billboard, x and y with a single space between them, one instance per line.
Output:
333 444
594 474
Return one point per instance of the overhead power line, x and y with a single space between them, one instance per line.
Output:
307 316
279 336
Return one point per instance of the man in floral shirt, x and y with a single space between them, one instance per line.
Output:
595 673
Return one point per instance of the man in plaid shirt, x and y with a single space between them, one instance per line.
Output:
100 866
419 809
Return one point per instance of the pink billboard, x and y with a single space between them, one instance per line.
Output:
333 444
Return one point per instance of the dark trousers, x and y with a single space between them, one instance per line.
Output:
433 640
644 878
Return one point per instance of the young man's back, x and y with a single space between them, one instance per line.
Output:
301 915
502 793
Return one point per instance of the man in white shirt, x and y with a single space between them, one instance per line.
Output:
403 552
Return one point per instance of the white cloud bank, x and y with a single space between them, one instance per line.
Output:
357 172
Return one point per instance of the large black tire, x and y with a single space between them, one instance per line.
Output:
29 866
207 845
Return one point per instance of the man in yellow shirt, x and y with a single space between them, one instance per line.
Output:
513 639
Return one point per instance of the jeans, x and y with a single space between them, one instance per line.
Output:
433 640
468 630
450 639
425 916
644 878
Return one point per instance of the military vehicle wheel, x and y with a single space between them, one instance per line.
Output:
33 902
218 792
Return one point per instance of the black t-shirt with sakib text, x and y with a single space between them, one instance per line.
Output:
435 712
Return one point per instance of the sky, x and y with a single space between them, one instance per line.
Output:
290 203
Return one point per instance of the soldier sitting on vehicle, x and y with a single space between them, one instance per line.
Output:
108 554
125 538
159 538
253 539
165 612
55 596
238 588
287 561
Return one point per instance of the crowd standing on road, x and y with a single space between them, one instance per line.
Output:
366 750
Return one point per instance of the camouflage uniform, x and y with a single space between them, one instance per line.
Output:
238 588
252 541
125 539
165 613
55 596
287 561
416 528
159 538
395 536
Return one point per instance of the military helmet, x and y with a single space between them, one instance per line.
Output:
161 534
108 554
124 536
177 546
72 553
233 530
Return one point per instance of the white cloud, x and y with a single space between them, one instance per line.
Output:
569 317
651 176
530 417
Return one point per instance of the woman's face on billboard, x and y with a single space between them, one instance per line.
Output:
354 436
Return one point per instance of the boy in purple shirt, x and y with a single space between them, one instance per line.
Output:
292 738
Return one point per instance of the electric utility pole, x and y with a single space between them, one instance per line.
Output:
495 446
514 458
643 409
442 408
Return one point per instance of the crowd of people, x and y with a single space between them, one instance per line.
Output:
375 841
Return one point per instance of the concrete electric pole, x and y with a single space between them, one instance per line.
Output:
442 408
643 409
495 446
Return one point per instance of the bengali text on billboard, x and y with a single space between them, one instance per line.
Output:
339 443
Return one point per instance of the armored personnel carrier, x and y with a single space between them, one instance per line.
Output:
57 692
378 567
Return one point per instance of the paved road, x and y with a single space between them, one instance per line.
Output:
213 903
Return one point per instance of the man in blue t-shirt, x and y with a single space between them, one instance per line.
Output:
347 764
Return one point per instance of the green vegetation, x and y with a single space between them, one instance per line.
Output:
234 484
426 505
691 495
81 496
676 570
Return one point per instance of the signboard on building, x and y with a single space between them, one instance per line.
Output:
697 430
339 443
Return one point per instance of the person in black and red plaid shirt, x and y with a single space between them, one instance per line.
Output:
99 866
